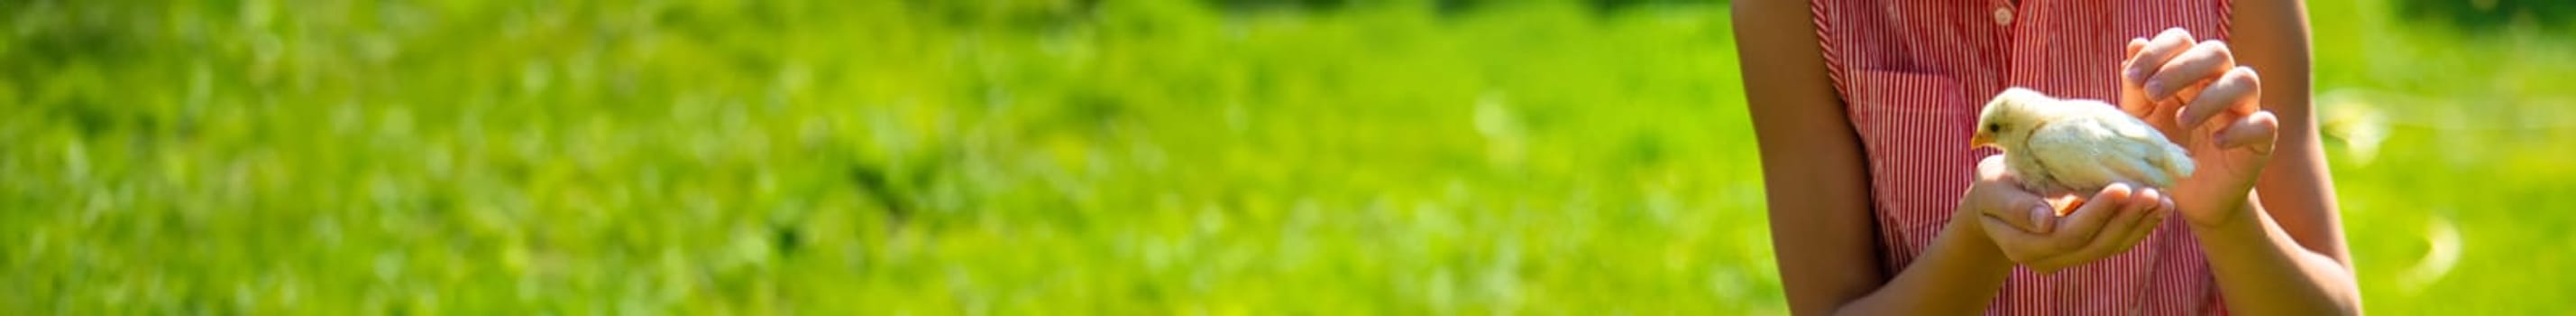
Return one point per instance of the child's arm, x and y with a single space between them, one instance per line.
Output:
2282 252
2294 261
1818 187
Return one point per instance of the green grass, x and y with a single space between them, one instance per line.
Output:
1044 157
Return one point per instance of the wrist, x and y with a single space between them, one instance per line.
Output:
1967 233
2239 213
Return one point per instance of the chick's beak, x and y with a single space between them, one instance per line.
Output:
1980 140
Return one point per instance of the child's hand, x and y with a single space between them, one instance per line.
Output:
2196 94
2029 231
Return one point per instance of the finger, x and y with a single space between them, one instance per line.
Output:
2042 219
2019 209
2256 131
2089 219
2155 52
2200 63
2143 211
2004 198
2134 97
2169 109
2162 111
2013 242
2158 207
2176 100
2239 91
2132 209
2140 215
2136 44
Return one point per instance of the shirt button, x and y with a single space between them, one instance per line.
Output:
2003 16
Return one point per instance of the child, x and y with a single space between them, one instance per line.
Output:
1863 109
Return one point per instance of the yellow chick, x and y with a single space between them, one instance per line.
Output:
2059 147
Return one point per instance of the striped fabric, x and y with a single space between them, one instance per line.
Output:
1913 73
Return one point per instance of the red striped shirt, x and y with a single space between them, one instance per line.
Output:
1913 73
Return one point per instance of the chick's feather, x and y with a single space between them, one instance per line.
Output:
2057 146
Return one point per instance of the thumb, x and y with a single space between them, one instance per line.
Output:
2255 132
2027 212
1997 195
2043 219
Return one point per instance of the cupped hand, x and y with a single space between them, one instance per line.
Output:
2201 99
2030 232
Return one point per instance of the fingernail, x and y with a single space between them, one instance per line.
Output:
2132 74
2155 90
2039 218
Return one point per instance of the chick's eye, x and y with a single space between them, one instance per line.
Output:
1994 128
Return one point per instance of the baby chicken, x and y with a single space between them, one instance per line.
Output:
2059 147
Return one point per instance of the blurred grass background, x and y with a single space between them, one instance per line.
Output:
1072 156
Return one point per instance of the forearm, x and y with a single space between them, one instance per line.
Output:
1957 274
2262 271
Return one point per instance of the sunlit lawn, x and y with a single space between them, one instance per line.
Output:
1133 157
